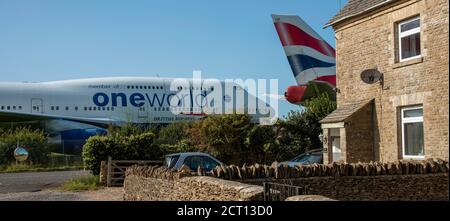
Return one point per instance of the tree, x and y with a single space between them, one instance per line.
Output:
300 131
261 144
223 136
173 133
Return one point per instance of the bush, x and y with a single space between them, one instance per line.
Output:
134 147
35 141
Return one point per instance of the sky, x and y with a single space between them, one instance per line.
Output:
45 40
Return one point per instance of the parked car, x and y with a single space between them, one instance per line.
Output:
310 157
193 160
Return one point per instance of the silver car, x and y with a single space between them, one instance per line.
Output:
191 159
310 157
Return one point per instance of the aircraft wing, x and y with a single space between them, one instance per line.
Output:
21 117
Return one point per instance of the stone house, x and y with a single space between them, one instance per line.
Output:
401 109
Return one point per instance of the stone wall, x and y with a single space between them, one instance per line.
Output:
419 187
159 184
404 180
370 41
336 169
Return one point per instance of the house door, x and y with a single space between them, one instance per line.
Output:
335 144
37 106
336 148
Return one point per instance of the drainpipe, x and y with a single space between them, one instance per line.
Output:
373 131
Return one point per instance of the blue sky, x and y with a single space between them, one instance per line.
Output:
43 40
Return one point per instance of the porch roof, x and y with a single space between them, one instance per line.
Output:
343 112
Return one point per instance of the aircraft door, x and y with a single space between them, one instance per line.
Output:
37 106
143 113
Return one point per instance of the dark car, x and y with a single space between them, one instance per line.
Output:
310 157
193 160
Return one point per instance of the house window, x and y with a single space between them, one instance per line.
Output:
412 132
409 39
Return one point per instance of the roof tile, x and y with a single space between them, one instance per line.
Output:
345 111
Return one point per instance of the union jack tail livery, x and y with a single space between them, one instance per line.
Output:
312 59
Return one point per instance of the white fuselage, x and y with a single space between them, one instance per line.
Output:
115 100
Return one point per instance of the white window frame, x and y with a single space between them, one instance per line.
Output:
410 120
405 34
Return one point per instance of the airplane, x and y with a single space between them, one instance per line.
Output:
73 110
312 59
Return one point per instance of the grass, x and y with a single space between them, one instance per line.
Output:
13 168
83 183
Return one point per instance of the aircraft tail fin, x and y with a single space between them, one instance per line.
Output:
311 58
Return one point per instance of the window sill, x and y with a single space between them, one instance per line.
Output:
408 63
413 157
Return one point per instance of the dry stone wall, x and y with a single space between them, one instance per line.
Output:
416 187
398 181
153 183
276 171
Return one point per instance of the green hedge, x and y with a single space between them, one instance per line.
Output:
133 147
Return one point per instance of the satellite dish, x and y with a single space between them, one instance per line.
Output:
371 76
21 154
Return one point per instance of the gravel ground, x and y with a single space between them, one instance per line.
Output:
105 194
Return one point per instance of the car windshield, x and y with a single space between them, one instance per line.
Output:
171 161
193 162
315 158
308 158
301 158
